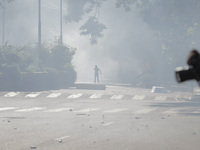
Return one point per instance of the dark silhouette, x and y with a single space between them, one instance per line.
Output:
194 58
96 74
191 72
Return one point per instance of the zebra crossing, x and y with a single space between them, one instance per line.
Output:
139 111
32 95
54 95
139 97
119 96
96 96
11 94
75 95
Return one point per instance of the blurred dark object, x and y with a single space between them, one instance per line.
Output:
192 71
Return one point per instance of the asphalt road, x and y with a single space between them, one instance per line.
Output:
115 119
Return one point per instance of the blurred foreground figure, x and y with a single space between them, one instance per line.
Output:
192 71
96 74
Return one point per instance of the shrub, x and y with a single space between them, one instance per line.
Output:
51 64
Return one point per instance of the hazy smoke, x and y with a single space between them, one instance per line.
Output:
128 48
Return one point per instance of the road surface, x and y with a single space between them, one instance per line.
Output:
115 119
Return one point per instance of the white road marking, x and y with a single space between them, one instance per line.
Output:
54 95
96 96
117 97
30 109
75 95
161 98
144 111
171 111
108 124
33 95
196 111
7 108
57 110
115 110
62 138
87 110
11 94
139 97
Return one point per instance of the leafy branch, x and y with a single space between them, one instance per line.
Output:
78 9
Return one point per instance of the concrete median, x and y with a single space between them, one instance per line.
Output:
90 86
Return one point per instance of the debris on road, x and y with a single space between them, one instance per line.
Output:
194 133
33 147
60 141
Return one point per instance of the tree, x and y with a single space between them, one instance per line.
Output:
77 9
175 22
15 58
57 56
176 26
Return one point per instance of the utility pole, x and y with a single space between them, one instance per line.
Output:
61 35
39 34
3 26
39 25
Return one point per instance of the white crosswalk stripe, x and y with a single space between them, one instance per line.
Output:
117 97
107 124
75 95
116 110
91 96
7 108
138 97
30 109
33 95
170 111
196 111
54 95
161 98
11 94
96 96
58 110
87 110
144 111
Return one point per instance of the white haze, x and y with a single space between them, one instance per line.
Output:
128 42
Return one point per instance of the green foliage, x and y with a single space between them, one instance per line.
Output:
56 56
51 58
78 9
75 10
26 68
176 23
94 28
14 56
126 4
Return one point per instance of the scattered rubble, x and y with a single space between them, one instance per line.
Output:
60 141
33 147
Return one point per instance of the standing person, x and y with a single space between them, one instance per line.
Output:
96 74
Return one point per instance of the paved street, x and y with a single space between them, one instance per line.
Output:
114 119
